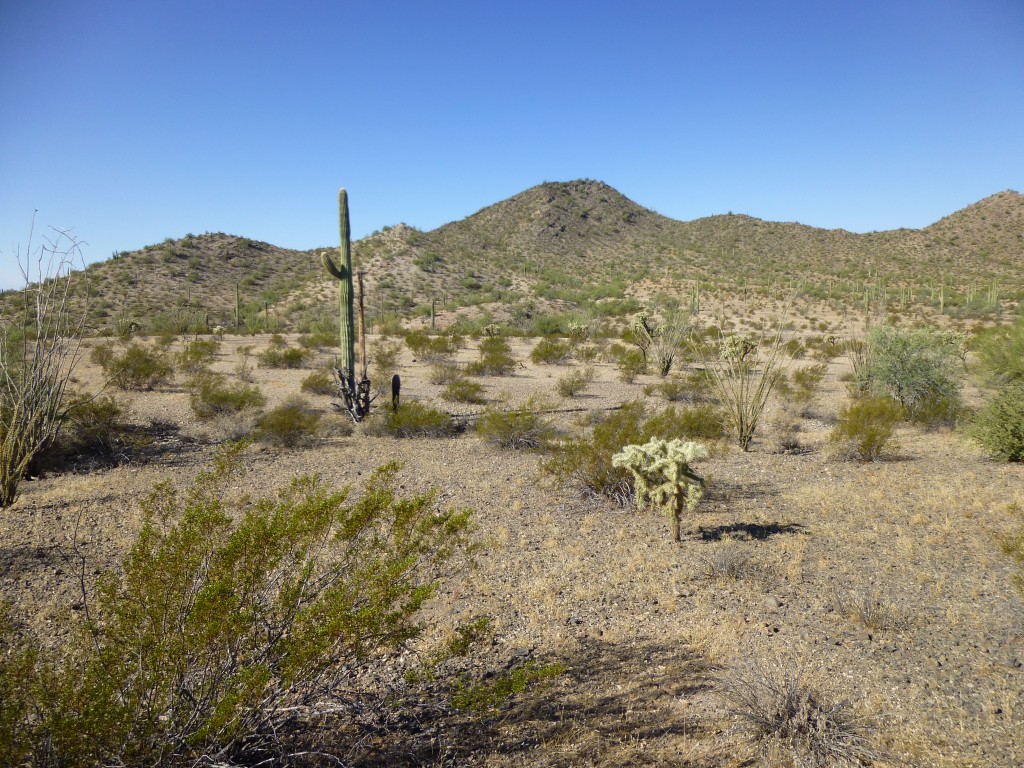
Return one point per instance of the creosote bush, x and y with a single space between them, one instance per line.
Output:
288 425
999 425
138 367
464 390
280 355
495 358
198 354
233 628
865 428
411 419
575 382
522 428
551 351
211 395
319 382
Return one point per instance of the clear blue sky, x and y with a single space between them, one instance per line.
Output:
136 120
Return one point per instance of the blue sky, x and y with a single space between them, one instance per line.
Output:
133 121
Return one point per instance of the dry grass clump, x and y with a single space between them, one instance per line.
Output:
793 722
874 611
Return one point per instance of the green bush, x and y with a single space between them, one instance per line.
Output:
97 426
495 358
913 367
1000 353
702 421
585 462
411 419
228 618
277 356
319 382
198 354
518 429
549 351
629 362
999 426
865 428
212 395
288 425
137 368
432 348
463 390
384 353
445 373
575 382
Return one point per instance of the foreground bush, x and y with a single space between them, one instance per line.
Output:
999 425
230 634
495 358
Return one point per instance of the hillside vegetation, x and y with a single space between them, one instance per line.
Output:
561 247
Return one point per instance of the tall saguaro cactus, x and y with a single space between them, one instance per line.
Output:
342 272
355 394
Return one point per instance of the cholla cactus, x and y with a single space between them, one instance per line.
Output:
737 347
663 476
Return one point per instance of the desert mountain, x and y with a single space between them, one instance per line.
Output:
563 245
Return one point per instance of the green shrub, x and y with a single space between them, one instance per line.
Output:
495 358
489 695
445 373
702 421
384 354
575 382
212 395
319 339
277 356
463 390
432 348
288 425
806 383
691 387
518 429
411 419
97 426
585 462
630 363
319 382
999 426
913 367
226 618
1001 353
137 368
198 354
549 351
865 428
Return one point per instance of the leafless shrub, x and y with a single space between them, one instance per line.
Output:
793 721
40 345
874 611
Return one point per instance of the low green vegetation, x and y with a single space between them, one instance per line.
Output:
289 425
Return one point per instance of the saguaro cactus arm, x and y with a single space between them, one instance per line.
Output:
341 270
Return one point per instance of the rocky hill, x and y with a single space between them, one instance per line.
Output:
560 247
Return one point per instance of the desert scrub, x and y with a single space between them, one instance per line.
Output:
227 617
585 463
445 373
630 363
289 425
411 419
280 355
999 425
319 382
550 351
495 358
197 354
522 428
793 721
915 367
865 429
1000 353
694 422
491 694
575 382
137 368
432 348
463 390
212 395
384 354
689 387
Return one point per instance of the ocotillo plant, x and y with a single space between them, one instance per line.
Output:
662 475
356 395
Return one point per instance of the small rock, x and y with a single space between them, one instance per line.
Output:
772 602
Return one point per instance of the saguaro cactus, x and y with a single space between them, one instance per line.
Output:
355 394
342 272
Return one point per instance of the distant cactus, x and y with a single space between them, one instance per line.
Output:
663 477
